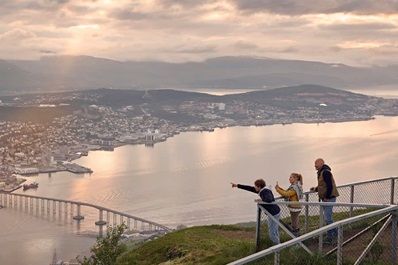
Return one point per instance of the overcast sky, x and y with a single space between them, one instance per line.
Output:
356 32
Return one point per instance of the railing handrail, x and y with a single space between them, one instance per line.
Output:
91 205
311 234
351 184
343 204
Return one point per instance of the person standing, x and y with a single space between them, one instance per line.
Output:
266 195
327 192
293 194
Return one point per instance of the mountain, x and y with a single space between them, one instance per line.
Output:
57 73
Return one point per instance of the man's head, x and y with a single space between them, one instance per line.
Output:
319 163
259 184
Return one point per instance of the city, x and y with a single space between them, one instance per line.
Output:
99 120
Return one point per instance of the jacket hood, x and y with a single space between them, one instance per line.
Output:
326 167
323 168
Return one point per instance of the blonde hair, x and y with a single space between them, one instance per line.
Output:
298 177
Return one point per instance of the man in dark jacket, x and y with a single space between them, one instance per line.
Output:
327 192
266 195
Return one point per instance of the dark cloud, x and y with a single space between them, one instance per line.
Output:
358 27
302 7
79 9
383 50
47 52
335 49
123 14
184 3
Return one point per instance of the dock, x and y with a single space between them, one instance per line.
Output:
77 169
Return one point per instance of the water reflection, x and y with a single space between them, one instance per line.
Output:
186 179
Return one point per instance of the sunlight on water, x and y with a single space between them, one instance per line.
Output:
185 180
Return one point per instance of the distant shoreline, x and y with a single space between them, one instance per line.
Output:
83 170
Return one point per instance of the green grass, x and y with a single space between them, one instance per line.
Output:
214 244
221 244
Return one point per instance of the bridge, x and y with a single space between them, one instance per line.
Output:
76 211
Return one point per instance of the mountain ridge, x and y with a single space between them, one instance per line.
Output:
55 73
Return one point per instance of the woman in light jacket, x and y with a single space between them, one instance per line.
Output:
294 193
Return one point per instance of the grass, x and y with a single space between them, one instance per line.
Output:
221 244
213 244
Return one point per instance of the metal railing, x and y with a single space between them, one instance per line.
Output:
357 203
390 211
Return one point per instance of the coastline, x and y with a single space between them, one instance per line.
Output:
79 169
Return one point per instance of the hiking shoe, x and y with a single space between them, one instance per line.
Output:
296 232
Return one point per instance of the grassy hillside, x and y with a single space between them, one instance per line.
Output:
197 245
215 244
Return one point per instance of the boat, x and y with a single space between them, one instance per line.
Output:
33 185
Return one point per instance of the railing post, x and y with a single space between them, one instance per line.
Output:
277 258
258 225
351 198
339 245
394 237
392 191
321 221
306 213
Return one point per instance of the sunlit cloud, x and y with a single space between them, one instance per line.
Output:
193 30
362 45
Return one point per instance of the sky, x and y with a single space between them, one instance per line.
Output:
354 32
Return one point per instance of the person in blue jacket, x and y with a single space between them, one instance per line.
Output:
266 195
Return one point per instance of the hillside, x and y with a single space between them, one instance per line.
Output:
59 73
215 244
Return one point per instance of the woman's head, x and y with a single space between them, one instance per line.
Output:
259 184
296 178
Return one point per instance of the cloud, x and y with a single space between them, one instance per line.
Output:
245 45
123 14
16 35
303 7
183 3
193 49
180 30
358 26
47 52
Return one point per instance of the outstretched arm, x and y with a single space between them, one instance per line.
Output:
245 187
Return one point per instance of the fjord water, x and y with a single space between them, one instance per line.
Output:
186 180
